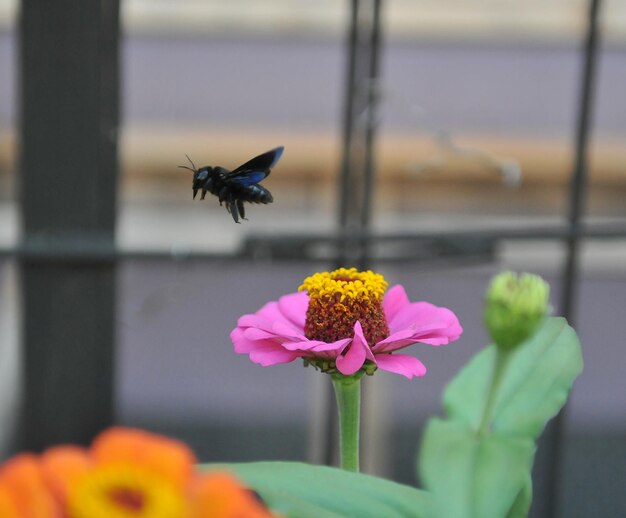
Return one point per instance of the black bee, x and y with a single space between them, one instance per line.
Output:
237 186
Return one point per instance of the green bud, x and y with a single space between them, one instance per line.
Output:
514 307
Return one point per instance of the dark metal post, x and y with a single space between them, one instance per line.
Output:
68 160
356 181
346 201
578 182
569 281
371 125
359 127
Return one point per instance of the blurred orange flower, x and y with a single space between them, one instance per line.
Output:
23 491
126 473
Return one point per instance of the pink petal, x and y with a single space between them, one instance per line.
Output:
273 322
435 339
290 310
420 322
422 316
316 345
242 344
254 321
293 307
270 312
247 340
358 351
247 321
395 299
271 356
254 333
395 341
406 337
287 331
404 364
455 330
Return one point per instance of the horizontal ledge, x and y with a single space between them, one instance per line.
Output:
408 155
557 232
295 246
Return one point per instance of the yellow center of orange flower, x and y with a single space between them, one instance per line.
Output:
124 491
338 299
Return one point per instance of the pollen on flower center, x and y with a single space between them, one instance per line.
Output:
338 299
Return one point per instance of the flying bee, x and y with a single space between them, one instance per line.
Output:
237 186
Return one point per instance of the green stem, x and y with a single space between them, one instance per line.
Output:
502 359
348 395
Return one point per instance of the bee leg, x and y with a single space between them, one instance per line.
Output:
206 187
223 194
233 209
240 208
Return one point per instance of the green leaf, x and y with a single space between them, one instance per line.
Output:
535 387
521 506
471 476
299 490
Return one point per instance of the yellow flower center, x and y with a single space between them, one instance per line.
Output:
125 491
345 283
338 299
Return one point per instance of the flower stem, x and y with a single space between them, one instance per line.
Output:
502 360
348 395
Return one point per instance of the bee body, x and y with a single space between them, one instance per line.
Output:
240 185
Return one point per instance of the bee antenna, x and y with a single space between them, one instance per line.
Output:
191 162
194 170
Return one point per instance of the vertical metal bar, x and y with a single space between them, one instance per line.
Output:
371 124
359 126
357 163
68 159
578 185
348 118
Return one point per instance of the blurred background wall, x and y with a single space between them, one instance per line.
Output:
477 112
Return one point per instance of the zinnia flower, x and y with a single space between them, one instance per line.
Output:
343 321
23 491
126 473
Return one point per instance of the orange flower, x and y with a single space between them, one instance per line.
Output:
219 494
126 473
62 467
8 507
23 492
171 459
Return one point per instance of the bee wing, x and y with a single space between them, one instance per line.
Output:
246 178
253 171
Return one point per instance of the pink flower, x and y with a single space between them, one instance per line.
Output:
345 322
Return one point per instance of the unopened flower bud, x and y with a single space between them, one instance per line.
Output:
514 308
